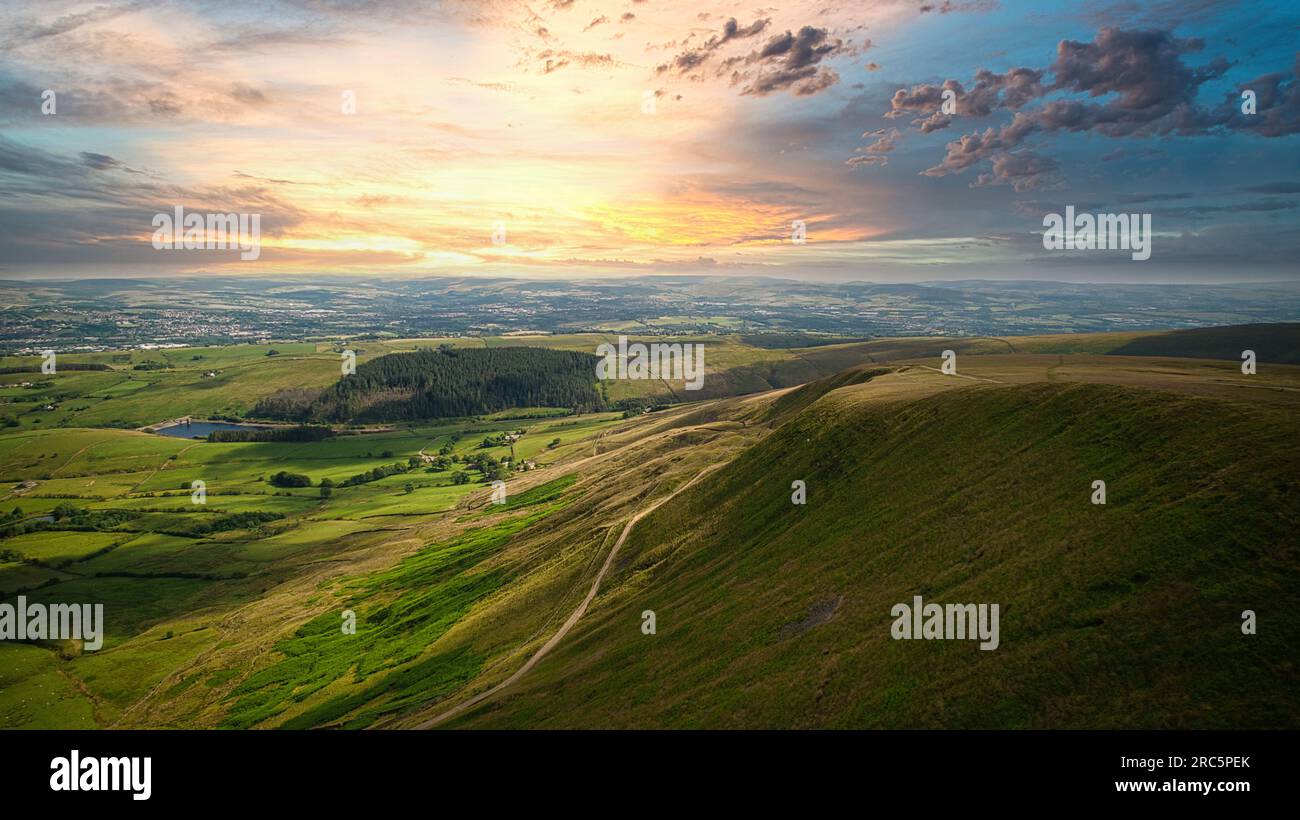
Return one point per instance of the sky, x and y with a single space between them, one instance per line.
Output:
588 138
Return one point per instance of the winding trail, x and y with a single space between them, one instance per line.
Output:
961 375
575 616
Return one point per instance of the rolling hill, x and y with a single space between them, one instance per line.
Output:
974 488
1123 615
1276 343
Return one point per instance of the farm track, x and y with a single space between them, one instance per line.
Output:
577 613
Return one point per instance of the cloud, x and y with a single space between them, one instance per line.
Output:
24 33
1145 87
54 211
991 91
948 7
1274 188
731 30
1023 171
874 154
791 61
554 60
1277 98
1124 153
249 95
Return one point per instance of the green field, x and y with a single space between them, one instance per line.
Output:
972 487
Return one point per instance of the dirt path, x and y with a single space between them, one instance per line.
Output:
961 375
423 455
74 456
162 466
577 613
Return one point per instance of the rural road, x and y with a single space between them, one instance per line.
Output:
574 617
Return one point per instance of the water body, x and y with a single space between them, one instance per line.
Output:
200 429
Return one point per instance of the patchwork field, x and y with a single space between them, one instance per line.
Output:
229 612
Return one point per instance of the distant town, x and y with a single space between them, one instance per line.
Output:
101 314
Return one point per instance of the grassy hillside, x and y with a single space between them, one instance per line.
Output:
1123 615
233 380
969 488
1276 343
184 595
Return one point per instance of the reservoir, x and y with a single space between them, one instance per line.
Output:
200 429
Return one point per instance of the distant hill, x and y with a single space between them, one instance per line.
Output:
785 341
447 382
1276 343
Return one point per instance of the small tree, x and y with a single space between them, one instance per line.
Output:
287 479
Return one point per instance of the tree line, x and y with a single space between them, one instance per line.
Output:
447 383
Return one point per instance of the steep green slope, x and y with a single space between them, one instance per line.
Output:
1122 615
801 397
